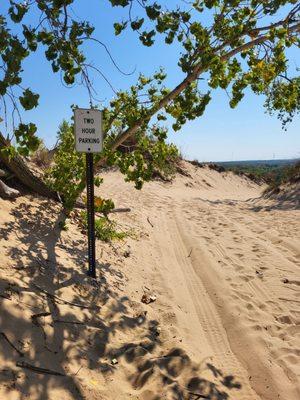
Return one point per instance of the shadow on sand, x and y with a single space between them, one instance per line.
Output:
55 322
283 202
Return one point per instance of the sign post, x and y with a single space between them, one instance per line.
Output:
89 140
91 214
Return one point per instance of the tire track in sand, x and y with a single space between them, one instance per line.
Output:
267 379
210 331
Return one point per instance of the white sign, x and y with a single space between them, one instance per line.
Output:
88 130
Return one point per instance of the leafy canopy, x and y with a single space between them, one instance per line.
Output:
233 44
230 45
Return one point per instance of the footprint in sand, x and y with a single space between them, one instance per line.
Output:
238 268
239 255
245 297
284 319
246 278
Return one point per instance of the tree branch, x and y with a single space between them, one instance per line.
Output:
198 69
182 86
285 21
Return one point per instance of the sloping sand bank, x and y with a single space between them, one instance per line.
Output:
224 267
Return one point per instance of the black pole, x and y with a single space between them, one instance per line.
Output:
91 213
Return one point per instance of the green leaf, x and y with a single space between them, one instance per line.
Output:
122 3
147 38
3 88
153 11
69 78
8 152
17 11
136 25
98 181
29 99
119 27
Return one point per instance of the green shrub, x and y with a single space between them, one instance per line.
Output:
68 168
105 229
150 156
104 206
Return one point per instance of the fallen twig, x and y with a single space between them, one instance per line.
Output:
11 344
148 219
5 296
39 370
117 210
190 253
53 296
199 396
61 321
34 317
42 264
78 370
82 205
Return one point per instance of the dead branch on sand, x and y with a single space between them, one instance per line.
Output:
11 344
23 364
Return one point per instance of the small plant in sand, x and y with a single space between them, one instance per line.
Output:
105 229
63 225
104 206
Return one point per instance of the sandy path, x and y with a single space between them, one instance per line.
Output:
224 267
219 267
203 317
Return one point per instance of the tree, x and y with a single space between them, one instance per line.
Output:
232 45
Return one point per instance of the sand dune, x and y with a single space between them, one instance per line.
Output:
223 263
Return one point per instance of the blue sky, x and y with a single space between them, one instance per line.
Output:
221 134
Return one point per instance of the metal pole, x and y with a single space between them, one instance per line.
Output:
91 214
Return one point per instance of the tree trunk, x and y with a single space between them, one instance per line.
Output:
7 192
18 166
